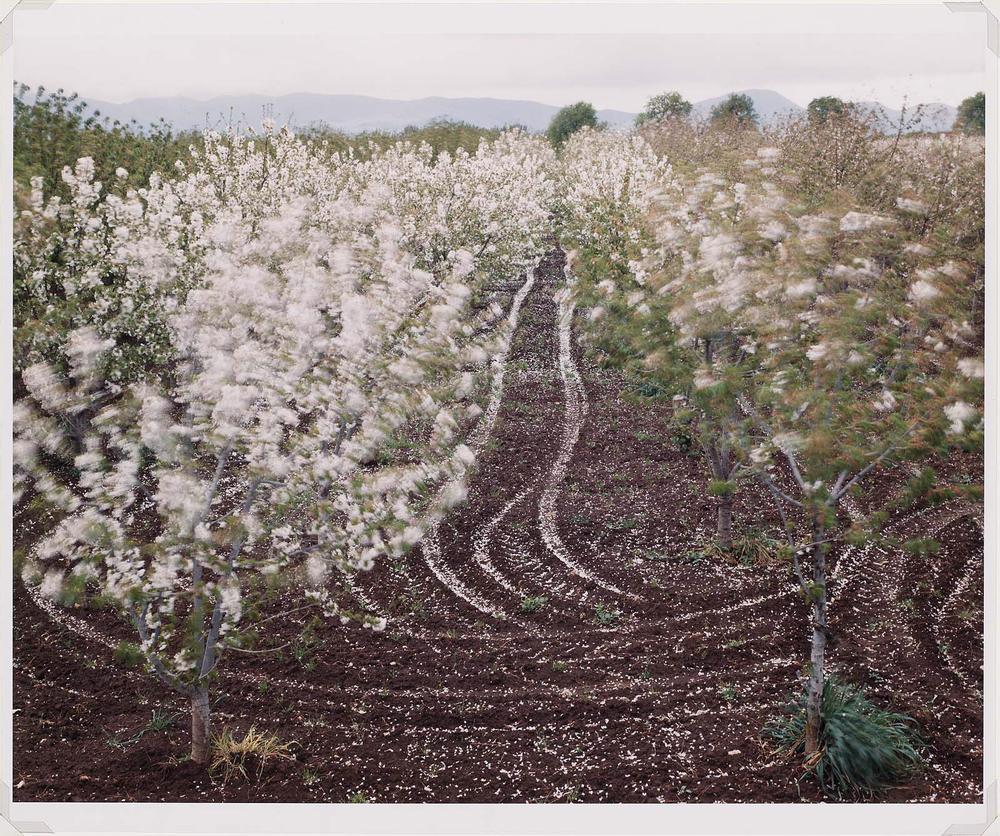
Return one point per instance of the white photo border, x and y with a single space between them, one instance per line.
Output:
552 16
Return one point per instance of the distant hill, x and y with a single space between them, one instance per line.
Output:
933 117
355 114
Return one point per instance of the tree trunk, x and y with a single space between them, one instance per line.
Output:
817 657
201 726
725 527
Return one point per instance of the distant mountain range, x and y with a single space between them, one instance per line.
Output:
350 114
355 114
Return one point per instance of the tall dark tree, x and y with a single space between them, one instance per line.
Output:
664 106
569 120
971 118
738 108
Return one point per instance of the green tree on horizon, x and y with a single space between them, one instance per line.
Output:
664 106
823 107
569 120
971 118
738 108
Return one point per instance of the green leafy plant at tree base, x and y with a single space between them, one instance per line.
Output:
863 749
754 548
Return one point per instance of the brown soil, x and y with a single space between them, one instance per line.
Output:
644 676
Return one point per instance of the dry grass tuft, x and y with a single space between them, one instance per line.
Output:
253 752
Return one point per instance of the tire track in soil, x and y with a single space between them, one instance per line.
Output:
967 591
881 580
422 583
888 630
543 354
575 397
430 546
453 703
503 545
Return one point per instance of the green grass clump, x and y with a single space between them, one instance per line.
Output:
159 722
753 548
863 749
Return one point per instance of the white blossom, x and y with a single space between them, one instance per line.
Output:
960 414
861 222
923 291
971 367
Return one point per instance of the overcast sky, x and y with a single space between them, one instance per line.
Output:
119 53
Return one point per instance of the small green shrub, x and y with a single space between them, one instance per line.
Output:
693 557
20 556
647 389
128 655
863 749
728 693
606 616
682 431
101 602
534 603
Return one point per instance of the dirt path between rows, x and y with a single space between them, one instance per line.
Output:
551 641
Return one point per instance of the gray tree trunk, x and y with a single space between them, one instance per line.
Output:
725 526
201 726
817 656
